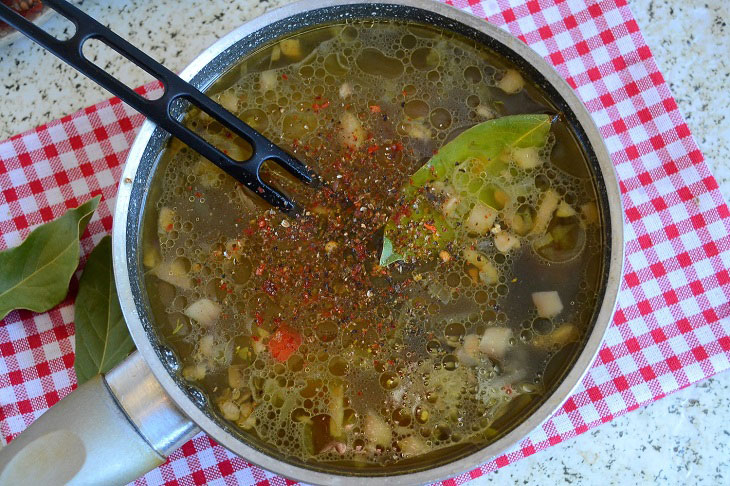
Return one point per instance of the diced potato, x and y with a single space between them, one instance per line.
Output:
352 132
468 353
565 210
526 158
207 173
174 273
258 345
511 82
481 218
204 311
194 372
229 410
450 207
548 205
206 346
165 220
337 410
548 303
151 255
417 130
567 333
589 212
485 112
237 376
275 53
487 272
376 430
268 80
291 48
506 242
495 342
412 446
346 90
228 100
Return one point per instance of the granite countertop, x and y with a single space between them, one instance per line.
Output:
682 438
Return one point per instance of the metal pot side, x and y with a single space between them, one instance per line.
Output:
226 53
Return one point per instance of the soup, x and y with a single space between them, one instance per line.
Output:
411 313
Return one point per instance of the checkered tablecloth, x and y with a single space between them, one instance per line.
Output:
672 325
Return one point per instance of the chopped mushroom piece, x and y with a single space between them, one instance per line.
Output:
548 304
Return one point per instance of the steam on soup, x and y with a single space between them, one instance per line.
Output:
415 311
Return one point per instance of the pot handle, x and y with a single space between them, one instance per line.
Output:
109 431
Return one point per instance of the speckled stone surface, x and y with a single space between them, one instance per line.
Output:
681 439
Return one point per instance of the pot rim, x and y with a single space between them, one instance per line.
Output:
123 218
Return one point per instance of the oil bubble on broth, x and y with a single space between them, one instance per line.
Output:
299 338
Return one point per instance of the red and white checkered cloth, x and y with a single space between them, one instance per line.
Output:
672 326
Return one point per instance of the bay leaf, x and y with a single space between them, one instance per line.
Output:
35 275
417 229
102 337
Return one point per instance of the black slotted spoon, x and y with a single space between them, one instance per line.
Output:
159 110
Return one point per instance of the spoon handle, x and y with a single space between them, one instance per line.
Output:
160 110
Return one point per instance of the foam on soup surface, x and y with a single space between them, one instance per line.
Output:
300 338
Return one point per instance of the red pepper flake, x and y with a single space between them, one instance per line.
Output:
405 93
374 109
224 286
316 107
431 228
372 149
260 269
168 227
284 342
284 76
198 194
259 319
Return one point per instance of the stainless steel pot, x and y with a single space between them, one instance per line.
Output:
116 427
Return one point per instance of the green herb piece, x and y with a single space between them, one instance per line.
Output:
35 275
102 338
417 228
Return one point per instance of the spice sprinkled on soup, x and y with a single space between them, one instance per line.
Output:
428 296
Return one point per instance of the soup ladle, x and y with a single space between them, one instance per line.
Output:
160 110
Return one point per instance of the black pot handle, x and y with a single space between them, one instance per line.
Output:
159 110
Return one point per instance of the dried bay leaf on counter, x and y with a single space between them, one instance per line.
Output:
35 275
417 228
102 337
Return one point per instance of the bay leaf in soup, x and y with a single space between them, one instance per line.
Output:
102 338
35 275
417 228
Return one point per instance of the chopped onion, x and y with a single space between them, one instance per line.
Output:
511 82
